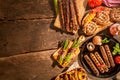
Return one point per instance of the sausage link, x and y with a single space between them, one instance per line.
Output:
92 66
101 61
104 55
92 56
109 55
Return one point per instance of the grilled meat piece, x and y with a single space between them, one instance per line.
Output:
101 61
104 55
94 59
91 64
109 54
115 14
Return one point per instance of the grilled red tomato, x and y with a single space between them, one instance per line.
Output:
115 29
117 59
94 3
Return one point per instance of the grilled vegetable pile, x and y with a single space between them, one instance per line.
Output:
68 51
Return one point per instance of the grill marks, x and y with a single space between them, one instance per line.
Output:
61 7
77 9
73 16
67 15
68 10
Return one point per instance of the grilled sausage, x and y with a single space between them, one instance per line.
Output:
92 66
109 55
104 55
101 61
92 56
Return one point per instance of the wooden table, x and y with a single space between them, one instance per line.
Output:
28 39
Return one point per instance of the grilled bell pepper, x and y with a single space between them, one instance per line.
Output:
94 3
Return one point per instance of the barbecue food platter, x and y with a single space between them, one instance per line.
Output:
98 19
96 46
98 62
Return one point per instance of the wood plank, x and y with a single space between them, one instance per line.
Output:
26 9
33 66
29 35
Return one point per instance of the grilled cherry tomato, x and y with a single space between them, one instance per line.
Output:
117 59
94 3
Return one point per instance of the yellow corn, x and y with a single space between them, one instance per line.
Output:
89 17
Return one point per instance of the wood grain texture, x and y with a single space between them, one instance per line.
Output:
29 35
26 26
33 66
26 9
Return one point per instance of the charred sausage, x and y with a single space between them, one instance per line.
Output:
91 64
104 55
109 55
92 56
101 61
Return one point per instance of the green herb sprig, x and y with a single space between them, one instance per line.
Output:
105 40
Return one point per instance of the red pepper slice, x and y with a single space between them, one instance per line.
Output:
94 3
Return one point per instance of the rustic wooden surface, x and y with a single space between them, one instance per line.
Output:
28 67
27 40
27 26
28 36
26 9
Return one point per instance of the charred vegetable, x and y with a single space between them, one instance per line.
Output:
74 50
65 45
116 49
68 51
90 46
